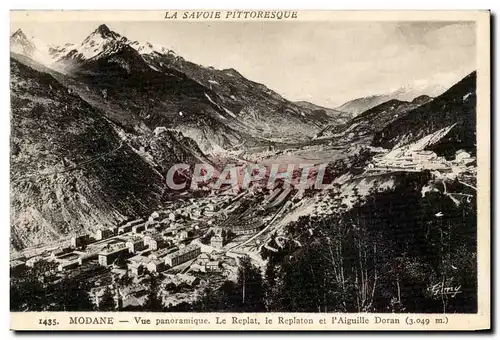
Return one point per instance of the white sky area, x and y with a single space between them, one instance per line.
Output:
326 63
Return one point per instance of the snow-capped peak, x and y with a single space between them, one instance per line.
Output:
101 42
30 47
148 48
20 43
18 35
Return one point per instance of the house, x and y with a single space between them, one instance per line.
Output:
138 228
203 259
423 155
124 229
156 265
214 255
246 229
79 241
462 156
103 234
135 244
182 255
111 253
183 235
156 242
210 207
159 254
137 264
127 227
135 268
217 241
213 266
155 215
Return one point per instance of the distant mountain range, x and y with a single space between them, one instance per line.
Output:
373 120
338 116
143 86
407 92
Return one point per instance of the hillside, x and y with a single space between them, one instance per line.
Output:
455 106
359 105
71 169
335 116
373 120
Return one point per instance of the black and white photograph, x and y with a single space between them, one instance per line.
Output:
244 166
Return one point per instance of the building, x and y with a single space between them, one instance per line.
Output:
155 242
203 259
462 156
137 264
135 244
183 235
247 228
111 253
156 265
182 255
423 155
79 241
127 227
155 215
210 207
103 234
124 229
173 216
213 266
138 228
217 241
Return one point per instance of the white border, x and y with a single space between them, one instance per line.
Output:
188 4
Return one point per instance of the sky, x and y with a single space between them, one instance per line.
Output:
326 63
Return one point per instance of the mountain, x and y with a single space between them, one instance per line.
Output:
72 170
359 105
455 109
141 86
373 120
337 116
29 47
407 92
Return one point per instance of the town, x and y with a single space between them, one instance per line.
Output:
191 245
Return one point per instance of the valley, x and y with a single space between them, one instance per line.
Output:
97 127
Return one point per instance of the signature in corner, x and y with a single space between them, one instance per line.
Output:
440 289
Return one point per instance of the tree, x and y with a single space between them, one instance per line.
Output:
36 288
107 301
153 302
251 287
73 296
